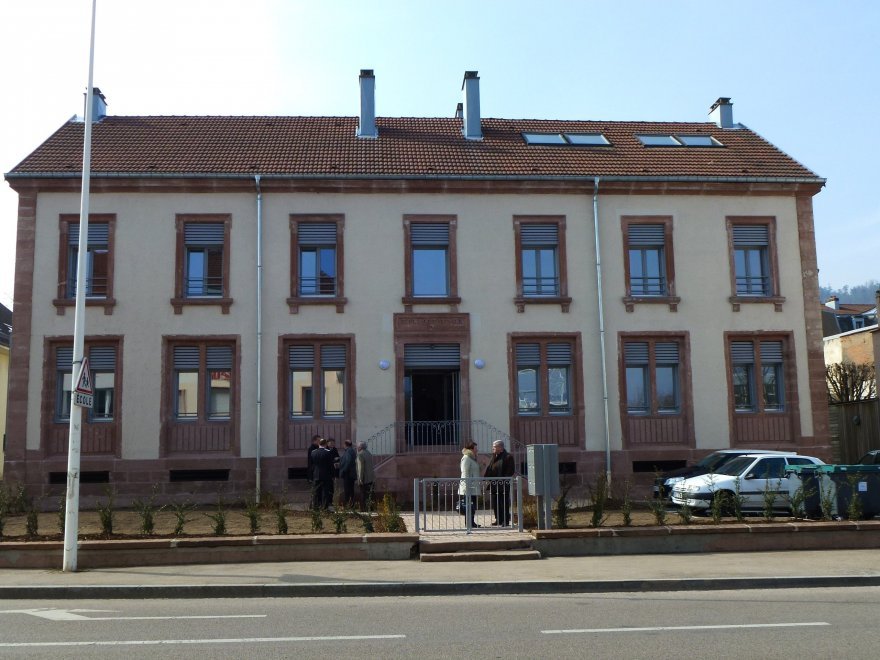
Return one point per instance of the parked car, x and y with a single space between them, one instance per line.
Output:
749 477
871 458
709 463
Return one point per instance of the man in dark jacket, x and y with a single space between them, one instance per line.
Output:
501 467
310 467
348 473
322 488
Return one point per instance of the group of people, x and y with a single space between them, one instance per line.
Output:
500 468
325 465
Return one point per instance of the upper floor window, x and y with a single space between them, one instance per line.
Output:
653 384
431 275
648 261
753 261
757 375
102 362
202 381
540 251
543 377
203 261
98 262
317 379
316 261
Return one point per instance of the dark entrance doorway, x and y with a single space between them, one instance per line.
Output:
432 406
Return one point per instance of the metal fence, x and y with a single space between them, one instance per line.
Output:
492 504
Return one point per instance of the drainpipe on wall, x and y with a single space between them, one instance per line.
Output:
599 303
259 425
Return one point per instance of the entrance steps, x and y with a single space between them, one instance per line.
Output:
461 547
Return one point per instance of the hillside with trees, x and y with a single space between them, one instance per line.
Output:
861 293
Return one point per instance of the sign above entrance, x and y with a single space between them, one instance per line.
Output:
431 325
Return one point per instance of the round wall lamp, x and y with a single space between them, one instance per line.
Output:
479 364
384 364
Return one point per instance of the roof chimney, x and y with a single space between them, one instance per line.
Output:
832 302
459 111
99 104
721 112
471 87
367 123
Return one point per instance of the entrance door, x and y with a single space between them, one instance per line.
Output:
431 393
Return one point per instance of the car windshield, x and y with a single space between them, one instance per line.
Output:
735 467
715 460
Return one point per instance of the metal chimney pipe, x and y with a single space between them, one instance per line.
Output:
367 123
721 112
471 87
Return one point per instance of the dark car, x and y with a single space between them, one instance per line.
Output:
710 463
871 458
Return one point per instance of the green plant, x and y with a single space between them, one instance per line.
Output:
529 512
798 501
738 500
339 518
147 510
626 505
61 512
4 507
279 507
32 519
599 500
181 511
317 519
563 505
685 514
854 510
20 502
218 517
721 501
366 519
826 500
388 518
769 495
657 505
106 512
252 512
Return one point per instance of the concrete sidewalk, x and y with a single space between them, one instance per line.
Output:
758 570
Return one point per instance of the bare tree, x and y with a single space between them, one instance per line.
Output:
848 381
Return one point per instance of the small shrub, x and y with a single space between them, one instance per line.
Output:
147 510
252 513
563 506
61 512
106 513
685 514
769 496
826 500
388 518
658 509
4 508
19 502
626 505
738 500
854 511
366 519
798 501
32 520
599 500
317 519
529 512
340 518
279 507
218 518
181 515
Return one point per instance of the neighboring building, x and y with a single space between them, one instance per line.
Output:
5 336
838 317
418 281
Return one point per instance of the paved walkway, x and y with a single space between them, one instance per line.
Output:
396 578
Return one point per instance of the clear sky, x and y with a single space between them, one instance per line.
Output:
804 74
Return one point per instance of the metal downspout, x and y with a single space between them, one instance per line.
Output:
259 425
599 303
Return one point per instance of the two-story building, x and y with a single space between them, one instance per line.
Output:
639 293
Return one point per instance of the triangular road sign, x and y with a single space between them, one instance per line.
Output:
84 382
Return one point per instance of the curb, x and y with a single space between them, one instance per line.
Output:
398 589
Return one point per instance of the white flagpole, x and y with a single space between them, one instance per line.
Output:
71 513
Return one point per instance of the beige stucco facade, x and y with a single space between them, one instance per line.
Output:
144 258
855 346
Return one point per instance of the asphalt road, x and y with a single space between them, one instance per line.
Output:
779 623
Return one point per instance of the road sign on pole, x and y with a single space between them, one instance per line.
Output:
83 393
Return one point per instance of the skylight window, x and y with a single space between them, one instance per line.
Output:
579 139
543 138
679 141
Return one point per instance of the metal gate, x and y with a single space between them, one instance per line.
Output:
494 504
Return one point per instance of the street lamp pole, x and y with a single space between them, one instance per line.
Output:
71 512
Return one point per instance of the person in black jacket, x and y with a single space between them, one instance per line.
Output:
322 488
310 467
348 473
501 467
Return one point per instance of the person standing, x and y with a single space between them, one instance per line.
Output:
348 473
322 488
366 475
310 466
469 485
501 467
334 452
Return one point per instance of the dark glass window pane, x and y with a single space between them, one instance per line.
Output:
540 276
103 401
742 388
637 389
308 270
301 389
429 272
772 380
667 389
527 390
327 276
334 392
219 395
558 384
187 387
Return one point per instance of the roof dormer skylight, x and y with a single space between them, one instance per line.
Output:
678 141
576 139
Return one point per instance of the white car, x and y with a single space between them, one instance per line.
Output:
749 477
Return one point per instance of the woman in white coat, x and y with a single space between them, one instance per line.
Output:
469 484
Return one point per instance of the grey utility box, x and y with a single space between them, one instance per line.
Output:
542 462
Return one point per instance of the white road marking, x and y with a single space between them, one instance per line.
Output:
666 628
244 640
71 615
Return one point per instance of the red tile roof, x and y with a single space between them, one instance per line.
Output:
406 147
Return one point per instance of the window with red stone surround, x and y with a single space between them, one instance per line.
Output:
99 262
201 275
317 263
541 273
